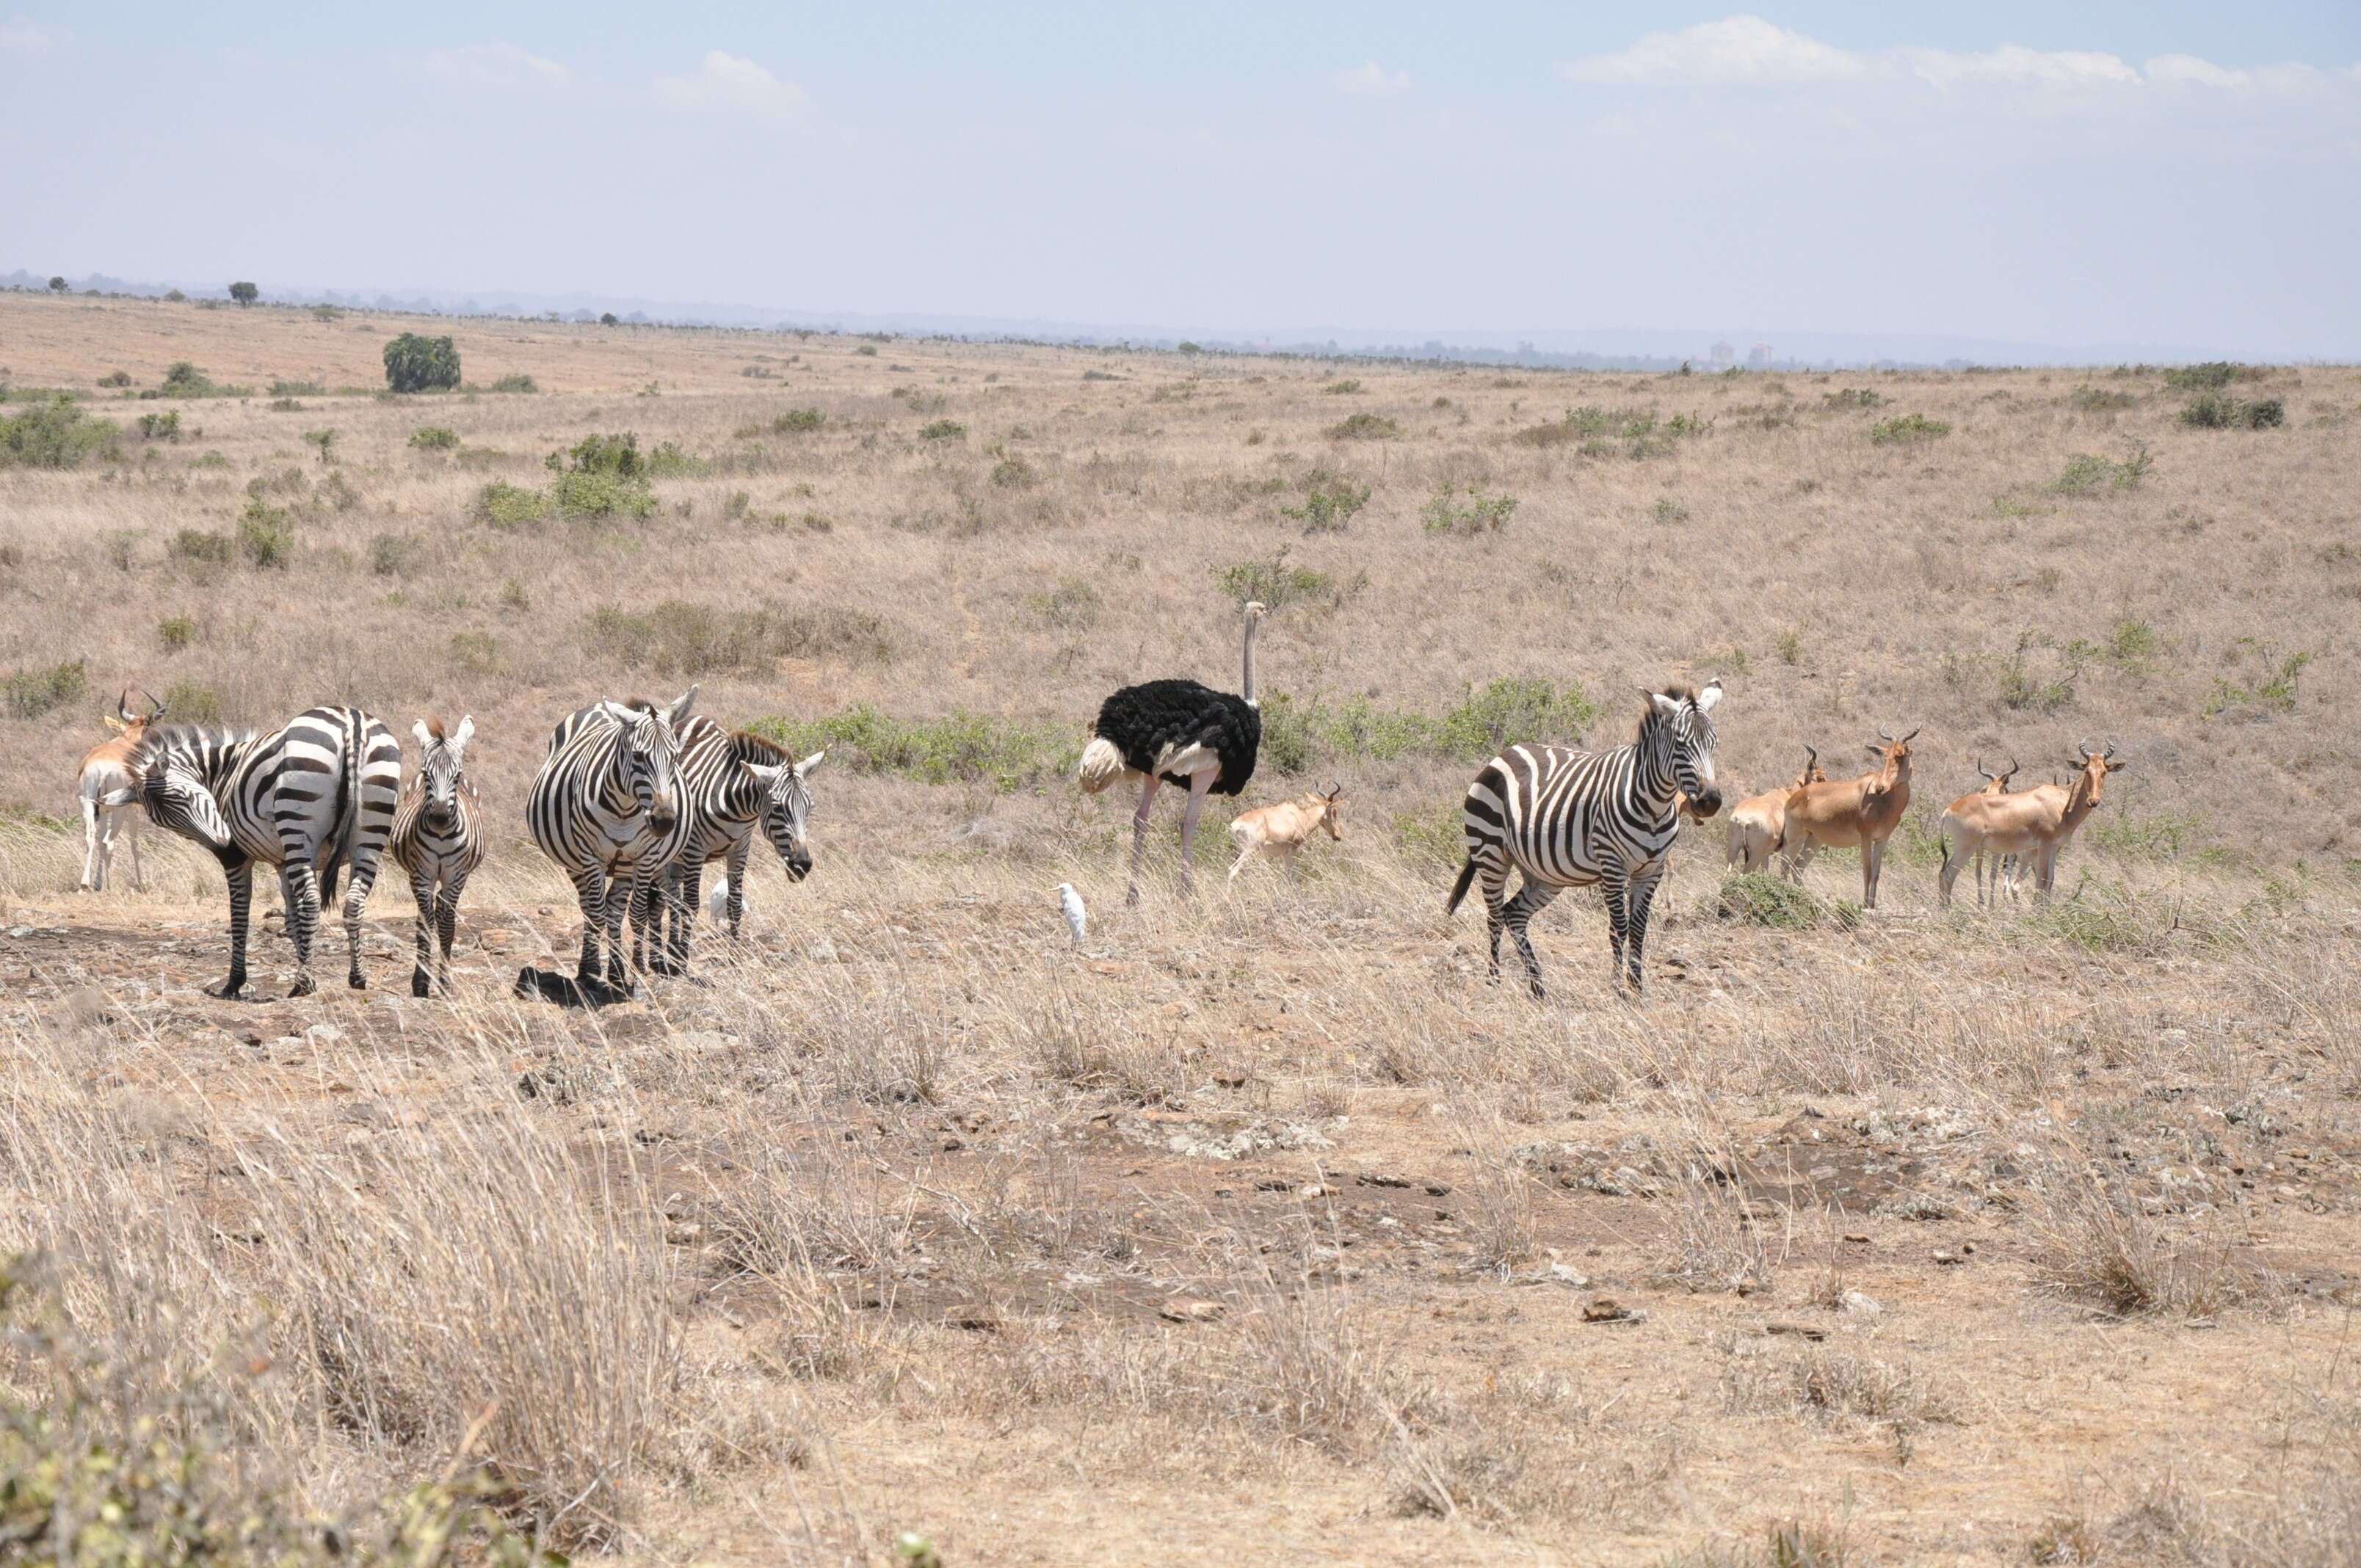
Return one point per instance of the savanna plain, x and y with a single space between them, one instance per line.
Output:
1255 1226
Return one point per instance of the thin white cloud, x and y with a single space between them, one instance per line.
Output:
1734 51
1747 51
499 66
21 35
1371 80
730 85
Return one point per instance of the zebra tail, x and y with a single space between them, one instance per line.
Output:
346 825
1459 889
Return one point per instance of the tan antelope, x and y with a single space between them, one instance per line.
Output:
105 770
1281 829
1862 812
2032 824
1758 827
2005 868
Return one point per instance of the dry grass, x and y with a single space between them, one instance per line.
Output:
1259 1221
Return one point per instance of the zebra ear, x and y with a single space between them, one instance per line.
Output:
617 711
678 714
1663 704
1711 695
466 733
804 768
418 733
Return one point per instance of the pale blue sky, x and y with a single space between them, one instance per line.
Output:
2165 173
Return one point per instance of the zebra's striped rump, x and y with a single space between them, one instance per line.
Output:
1568 818
314 799
438 839
606 806
731 785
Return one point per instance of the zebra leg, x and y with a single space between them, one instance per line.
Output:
591 890
1530 900
299 883
1149 786
733 902
446 920
240 874
681 890
362 878
1494 885
1637 899
421 888
1616 893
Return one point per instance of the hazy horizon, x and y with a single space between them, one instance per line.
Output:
2138 178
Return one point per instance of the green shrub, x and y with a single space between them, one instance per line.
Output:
201 547
1341 389
504 505
1303 733
473 651
943 430
1363 427
298 389
959 748
2099 399
1908 428
2269 413
516 382
116 378
1467 511
54 434
434 438
285 406
798 422
1757 898
2210 411
175 632
244 293
32 693
2211 377
1852 397
1330 502
397 554
1013 472
1071 606
588 493
618 455
1277 584
266 535
867 351
164 426
418 364
680 638
1668 511
185 380
193 703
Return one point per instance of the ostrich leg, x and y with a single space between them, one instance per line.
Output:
1198 784
1147 788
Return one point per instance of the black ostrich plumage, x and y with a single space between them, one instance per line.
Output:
1158 717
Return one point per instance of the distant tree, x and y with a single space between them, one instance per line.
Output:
1191 348
609 320
57 285
175 296
416 364
244 293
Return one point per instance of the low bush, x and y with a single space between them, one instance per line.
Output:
517 382
1852 397
798 422
1071 606
1465 510
1363 427
434 438
958 748
1013 472
1341 389
54 434
1757 898
2099 399
201 547
1330 502
194 704
298 389
1302 733
943 430
1907 430
504 505
175 632
418 364
397 554
2211 377
2085 473
680 637
32 693
1277 584
588 493
266 535
164 426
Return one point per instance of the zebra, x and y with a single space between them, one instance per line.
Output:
1569 818
730 785
438 839
606 807
313 798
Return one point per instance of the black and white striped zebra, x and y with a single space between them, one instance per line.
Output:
1568 818
606 806
313 798
731 785
438 839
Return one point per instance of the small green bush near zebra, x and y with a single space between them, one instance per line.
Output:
193 703
677 637
1465 510
1758 898
434 438
1363 427
32 693
1301 734
54 434
418 364
588 493
958 748
1907 430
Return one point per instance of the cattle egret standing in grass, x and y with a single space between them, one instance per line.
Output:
1078 919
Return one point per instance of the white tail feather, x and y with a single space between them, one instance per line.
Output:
1102 764
716 903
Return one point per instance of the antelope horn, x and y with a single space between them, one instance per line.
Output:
2012 769
2083 748
1912 735
152 703
2110 750
1882 734
1987 772
123 705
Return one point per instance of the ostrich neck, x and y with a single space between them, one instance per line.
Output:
1252 700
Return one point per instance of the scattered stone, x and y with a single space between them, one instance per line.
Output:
1181 1310
1949 1259
1230 1078
20 931
1377 1178
1800 1331
821 952
687 1232
1913 1206
1608 1310
1857 1237
1314 1190
1438 1190
323 1034
1855 1302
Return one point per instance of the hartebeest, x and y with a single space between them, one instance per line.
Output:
2005 868
104 772
1281 829
1863 811
2032 825
1758 827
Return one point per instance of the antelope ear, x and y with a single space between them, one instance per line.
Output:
1711 695
466 733
805 767
1874 749
418 733
114 723
678 714
2117 767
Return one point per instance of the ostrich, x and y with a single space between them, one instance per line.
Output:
1178 732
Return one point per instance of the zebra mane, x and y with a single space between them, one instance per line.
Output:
745 746
162 738
434 729
1679 691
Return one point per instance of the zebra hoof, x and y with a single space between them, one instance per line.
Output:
356 982
418 986
304 986
229 990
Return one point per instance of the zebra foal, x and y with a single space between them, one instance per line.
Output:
438 839
1568 818
313 798
606 806
731 785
